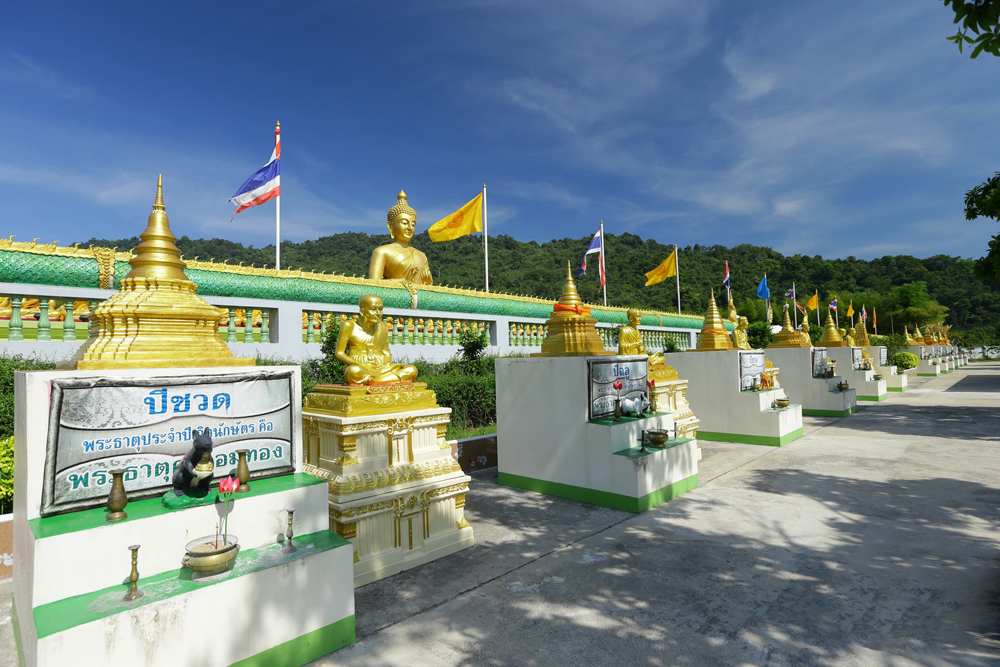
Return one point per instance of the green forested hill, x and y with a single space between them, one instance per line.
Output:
901 286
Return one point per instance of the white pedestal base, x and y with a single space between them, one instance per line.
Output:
819 397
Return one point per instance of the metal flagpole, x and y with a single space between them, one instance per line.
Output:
836 314
604 279
891 325
817 309
795 307
486 240
677 275
277 211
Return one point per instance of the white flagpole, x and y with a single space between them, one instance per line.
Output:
486 241
795 307
277 214
836 315
677 275
817 309
604 269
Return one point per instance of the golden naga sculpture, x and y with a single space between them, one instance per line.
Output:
630 340
397 260
740 339
363 346
788 336
572 332
831 337
714 336
155 320
911 340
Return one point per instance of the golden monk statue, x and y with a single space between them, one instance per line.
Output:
732 316
805 331
630 340
740 339
363 346
397 260
848 337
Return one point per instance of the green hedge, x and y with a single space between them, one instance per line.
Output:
6 475
7 367
903 361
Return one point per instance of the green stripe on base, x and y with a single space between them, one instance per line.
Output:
746 439
603 498
306 648
880 397
897 388
809 412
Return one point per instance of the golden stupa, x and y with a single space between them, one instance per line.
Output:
156 320
572 331
831 337
788 336
861 334
714 336
927 337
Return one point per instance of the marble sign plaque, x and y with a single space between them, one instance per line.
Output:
751 366
147 427
633 371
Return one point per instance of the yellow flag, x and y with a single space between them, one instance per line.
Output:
813 302
874 318
466 220
850 308
666 269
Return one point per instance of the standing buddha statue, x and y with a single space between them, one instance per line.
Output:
397 260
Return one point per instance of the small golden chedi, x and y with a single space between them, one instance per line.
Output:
398 260
713 337
572 331
155 320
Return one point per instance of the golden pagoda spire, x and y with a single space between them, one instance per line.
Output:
572 331
714 336
831 337
155 320
861 334
788 336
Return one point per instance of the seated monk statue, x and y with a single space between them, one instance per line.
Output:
630 340
740 339
397 260
805 331
848 337
363 346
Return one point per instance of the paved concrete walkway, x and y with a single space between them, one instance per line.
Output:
872 540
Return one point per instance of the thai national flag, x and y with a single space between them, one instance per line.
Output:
596 245
833 304
864 313
265 184
725 276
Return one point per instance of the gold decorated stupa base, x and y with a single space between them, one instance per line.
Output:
343 400
153 323
662 373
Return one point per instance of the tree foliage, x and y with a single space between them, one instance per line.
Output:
890 285
984 201
982 19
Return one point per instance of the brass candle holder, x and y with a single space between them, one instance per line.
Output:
243 470
133 578
289 548
117 500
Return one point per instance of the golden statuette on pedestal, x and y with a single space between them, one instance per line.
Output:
363 346
397 260
714 336
630 340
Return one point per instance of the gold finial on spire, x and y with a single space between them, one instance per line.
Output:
714 336
158 202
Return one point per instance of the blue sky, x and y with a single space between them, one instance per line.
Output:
832 128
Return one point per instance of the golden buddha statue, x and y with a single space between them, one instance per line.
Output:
740 339
6 309
397 260
630 340
363 346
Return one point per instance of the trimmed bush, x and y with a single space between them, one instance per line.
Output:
8 365
759 335
6 475
903 360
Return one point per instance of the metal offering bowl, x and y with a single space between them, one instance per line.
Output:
204 559
876 377
782 402
657 436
